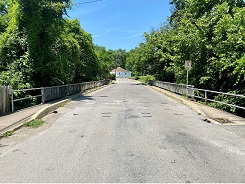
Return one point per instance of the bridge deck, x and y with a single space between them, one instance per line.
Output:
125 132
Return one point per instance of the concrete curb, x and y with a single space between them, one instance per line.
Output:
46 110
193 105
38 115
174 96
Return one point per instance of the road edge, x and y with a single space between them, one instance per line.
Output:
193 105
46 110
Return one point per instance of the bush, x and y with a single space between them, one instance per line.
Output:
145 79
112 77
136 77
230 100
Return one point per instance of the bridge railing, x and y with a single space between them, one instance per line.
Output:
55 92
20 96
176 88
204 94
212 96
9 97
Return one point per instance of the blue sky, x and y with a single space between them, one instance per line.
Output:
120 23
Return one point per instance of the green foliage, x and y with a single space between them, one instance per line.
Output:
15 76
105 58
225 99
34 124
136 78
3 15
8 133
152 57
145 79
119 57
230 100
110 59
240 69
42 22
112 77
209 33
38 47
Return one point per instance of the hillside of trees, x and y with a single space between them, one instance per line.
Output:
39 47
209 33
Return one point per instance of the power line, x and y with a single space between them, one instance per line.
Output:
87 2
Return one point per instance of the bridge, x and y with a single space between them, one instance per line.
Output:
125 132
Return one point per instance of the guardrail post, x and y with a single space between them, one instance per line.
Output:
206 96
12 99
67 90
42 93
187 91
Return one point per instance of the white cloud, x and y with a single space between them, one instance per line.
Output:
111 29
98 35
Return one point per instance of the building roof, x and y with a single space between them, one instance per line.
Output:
119 69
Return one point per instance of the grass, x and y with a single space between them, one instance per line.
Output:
8 133
145 79
34 124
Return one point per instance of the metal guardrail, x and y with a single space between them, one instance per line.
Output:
192 92
55 92
205 97
182 89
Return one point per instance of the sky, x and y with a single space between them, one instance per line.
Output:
120 24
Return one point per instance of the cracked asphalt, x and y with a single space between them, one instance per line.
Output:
128 133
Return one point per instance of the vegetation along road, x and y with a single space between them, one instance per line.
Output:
125 132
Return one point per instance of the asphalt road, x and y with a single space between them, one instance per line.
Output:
124 133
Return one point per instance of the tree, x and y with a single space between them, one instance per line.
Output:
3 15
120 56
44 48
209 33
106 60
42 22
15 68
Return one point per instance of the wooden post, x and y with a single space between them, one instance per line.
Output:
5 99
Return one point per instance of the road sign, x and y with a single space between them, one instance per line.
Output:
188 65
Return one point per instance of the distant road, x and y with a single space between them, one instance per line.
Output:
125 132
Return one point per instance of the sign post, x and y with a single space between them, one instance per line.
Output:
187 67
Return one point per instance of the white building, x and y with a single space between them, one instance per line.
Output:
120 72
